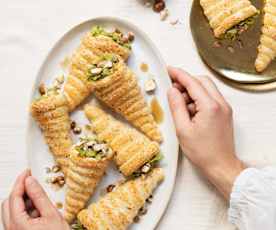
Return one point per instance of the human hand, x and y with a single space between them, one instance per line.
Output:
16 213
204 126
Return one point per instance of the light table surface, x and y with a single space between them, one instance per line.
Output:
29 28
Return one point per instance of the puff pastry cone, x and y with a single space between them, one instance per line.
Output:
133 149
88 162
224 14
52 114
120 91
94 43
267 47
117 209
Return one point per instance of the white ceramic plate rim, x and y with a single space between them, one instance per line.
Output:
159 213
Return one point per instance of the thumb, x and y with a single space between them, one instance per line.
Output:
179 110
39 198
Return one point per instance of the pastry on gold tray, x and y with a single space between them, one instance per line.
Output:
116 86
267 47
224 14
52 114
95 43
87 164
133 149
117 209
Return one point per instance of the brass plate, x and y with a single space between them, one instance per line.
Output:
265 87
239 65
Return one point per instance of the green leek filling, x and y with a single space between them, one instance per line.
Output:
115 35
234 32
104 70
78 226
87 149
151 164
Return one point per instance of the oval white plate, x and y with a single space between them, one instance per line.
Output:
143 51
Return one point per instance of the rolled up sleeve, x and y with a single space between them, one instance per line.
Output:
253 200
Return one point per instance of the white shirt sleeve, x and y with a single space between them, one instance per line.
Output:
253 200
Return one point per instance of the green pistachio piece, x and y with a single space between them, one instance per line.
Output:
106 72
156 159
98 30
78 226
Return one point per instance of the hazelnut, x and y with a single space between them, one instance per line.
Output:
136 219
146 168
118 31
164 14
77 130
110 188
142 211
42 89
125 39
60 180
130 36
108 64
149 200
61 183
96 71
158 6
73 124
55 168
174 22
99 147
150 85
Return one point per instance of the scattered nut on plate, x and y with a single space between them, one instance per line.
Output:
96 70
42 89
159 5
77 130
110 188
56 168
174 22
73 124
136 219
150 85
146 168
164 14
142 211
131 36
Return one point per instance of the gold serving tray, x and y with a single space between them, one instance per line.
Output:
238 66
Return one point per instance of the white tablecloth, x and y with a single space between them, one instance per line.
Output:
29 28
